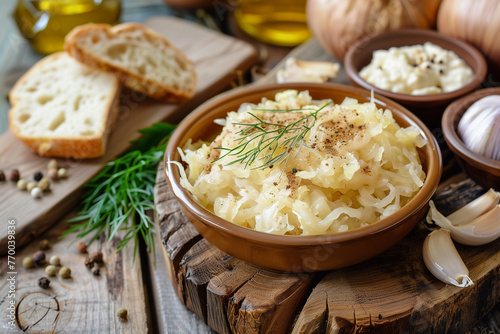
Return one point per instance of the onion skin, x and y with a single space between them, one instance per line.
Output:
477 22
337 24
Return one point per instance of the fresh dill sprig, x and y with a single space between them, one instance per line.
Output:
123 191
269 138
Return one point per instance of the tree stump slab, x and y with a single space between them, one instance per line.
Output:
391 293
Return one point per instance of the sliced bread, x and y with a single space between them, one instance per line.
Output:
62 108
142 59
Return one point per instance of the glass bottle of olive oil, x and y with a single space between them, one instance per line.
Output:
45 23
278 22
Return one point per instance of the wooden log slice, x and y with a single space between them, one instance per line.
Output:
392 293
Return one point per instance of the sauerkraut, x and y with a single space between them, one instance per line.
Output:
354 166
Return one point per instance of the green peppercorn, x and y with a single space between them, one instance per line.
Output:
44 184
62 173
122 313
22 184
51 270
65 272
53 164
44 244
54 260
30 186
28 262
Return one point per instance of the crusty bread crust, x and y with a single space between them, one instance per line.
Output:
131 79
68 146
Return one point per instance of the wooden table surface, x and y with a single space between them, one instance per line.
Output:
142 286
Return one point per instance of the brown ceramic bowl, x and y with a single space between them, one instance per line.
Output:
428 108
298 253
484 171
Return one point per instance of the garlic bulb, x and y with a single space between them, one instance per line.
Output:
443 261
474 209
479 127
479 231
307 71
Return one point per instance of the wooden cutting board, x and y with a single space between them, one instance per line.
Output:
219 60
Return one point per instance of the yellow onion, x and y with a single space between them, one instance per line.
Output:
337 24
477 22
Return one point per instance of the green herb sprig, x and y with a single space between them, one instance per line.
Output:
124 190
270 140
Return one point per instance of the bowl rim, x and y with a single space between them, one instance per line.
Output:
186 199
452 115
477 79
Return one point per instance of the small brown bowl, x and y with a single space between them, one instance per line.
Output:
484 171
428 108
298 253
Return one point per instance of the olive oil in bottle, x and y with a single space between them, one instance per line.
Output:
45 23
278 22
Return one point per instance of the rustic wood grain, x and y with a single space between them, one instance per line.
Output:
83 303
219 59
393 293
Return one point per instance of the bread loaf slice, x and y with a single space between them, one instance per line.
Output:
142 59
62 108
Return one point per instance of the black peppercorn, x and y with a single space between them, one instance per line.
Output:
38 176
43 282
294 170
89 263
96 256
39 258
14 175
2 176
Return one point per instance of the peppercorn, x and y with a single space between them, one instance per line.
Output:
96 271
38 176
36 192
122 313
89 263
65 272
54 260
28 262
96 256
44 184
43 282
44 244
30 186
53 164
14 175
81 246
39 258
2 176
53 174
62 173
51 270
21 184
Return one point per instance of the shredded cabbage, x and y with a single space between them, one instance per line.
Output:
356 166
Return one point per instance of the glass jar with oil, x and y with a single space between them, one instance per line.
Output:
45 23
278 22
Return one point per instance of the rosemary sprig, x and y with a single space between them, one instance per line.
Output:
122 191
276 141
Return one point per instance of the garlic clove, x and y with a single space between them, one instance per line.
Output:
443 261
307 71
480 231
474 209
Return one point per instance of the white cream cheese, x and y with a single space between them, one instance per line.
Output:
417 70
